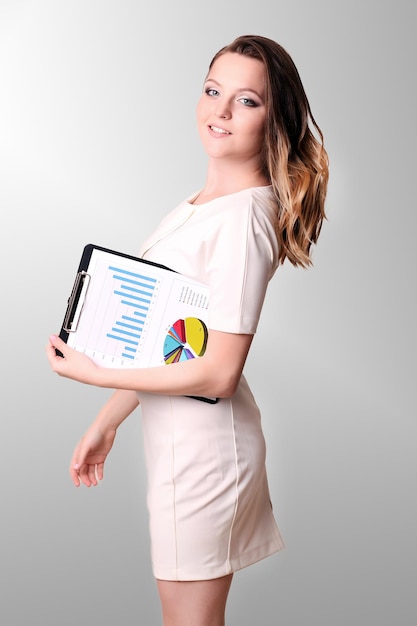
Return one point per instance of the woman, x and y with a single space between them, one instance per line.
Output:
262 203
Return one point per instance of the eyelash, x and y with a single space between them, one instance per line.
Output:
249 102
211 92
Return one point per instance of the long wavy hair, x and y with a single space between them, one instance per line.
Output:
294 159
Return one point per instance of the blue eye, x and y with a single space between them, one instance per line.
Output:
248 102
210 91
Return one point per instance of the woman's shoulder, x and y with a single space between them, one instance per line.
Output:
241 222
251 200
262 201
255 206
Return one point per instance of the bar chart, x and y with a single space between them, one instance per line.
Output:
135 292
115 315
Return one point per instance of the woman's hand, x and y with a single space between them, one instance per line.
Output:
73 364
87 462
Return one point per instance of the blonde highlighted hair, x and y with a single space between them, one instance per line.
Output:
294 159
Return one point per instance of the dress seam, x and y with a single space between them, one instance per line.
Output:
236 488
174 501
245 270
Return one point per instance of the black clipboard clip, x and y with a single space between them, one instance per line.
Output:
76 302
75 306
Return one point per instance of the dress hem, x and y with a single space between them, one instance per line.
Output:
220 570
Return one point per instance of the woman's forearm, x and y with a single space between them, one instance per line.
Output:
188 377
119 406
216 374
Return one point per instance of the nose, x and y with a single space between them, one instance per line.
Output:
223 111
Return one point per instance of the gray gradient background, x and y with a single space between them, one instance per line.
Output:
97 143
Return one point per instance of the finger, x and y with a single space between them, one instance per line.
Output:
79 455
56 347
74 467
51 354
74 475
100 471
57 342
92 474
54 354
84 477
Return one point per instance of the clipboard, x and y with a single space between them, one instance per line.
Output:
127 312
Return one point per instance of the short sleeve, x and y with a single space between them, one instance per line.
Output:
241 257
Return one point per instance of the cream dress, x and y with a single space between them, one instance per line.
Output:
208 497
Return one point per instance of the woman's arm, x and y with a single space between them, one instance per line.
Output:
215 374
117 408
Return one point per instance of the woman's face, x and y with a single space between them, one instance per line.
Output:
231 111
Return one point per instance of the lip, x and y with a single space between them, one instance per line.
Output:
218 131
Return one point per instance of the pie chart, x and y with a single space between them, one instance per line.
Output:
186 339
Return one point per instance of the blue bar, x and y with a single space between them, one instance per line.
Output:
127 295
145 293
132 319
137 306
128 326
117 269
134 282
125 332
135 343
140 314
130 349
127 356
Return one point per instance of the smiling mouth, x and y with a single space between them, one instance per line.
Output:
221 131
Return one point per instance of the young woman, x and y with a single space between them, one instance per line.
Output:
262 203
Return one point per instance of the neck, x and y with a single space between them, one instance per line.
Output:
223 179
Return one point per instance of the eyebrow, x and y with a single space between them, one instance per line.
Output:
213 80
